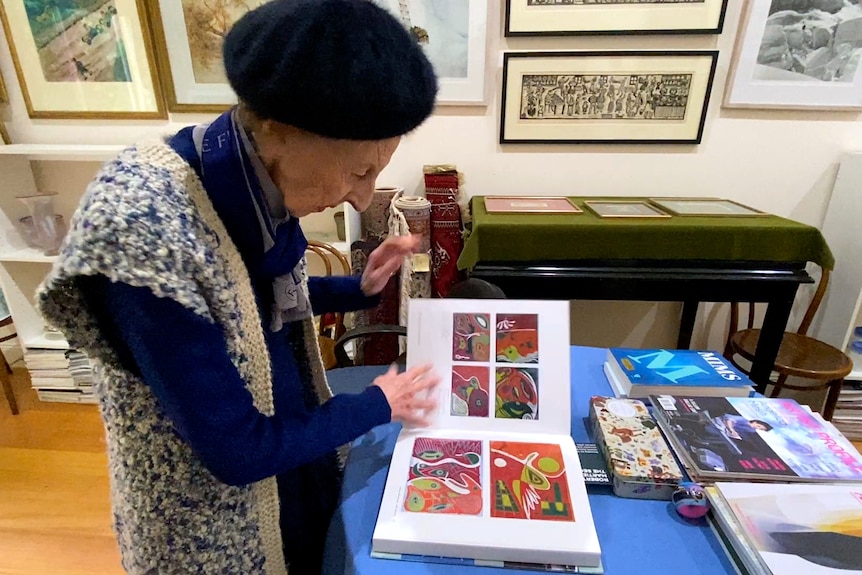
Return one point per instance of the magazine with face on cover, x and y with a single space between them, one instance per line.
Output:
756 438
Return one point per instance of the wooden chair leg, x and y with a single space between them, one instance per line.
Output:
6 384
778 385
832 398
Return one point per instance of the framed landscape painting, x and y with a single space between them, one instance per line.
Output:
189 35
83 58
453 34
605 97
579 17
797 55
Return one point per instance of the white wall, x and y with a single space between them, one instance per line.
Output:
782 162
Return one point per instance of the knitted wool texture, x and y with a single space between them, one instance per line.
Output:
147 221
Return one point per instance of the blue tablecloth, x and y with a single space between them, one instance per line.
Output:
636 536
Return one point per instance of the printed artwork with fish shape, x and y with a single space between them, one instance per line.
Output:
469 391
471 337
445 477
518 338
529 482
517 393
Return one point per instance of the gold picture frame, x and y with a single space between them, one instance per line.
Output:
93 60
192 67
4 95
625 209
530 205
706 207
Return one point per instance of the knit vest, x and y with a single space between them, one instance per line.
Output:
146 221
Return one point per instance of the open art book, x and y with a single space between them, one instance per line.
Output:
496 476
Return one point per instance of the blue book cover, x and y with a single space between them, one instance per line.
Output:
676 367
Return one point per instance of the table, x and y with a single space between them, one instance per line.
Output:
637 536
685 259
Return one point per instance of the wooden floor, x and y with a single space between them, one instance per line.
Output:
54 509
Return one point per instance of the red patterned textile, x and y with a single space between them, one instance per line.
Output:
441 189
376 349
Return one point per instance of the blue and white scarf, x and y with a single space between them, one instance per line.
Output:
237 184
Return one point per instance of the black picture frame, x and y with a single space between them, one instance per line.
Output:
624 30
700 81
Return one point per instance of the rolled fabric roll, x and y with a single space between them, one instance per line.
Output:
375 220
442 190
417 213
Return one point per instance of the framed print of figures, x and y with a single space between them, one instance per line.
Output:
797 55
605 97
578 17
83 58
453 34
189 36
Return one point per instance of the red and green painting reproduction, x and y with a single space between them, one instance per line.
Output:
471 337
517 393
445 477
518 338
469 391
529 482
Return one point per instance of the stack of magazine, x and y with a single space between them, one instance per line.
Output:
848 412
798 528
755 439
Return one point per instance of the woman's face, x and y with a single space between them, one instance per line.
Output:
315 173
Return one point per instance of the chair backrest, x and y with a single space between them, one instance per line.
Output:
330 326
807 319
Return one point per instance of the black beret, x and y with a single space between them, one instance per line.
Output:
338 68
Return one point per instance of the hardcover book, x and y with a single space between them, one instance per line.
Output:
639 373
496 476
755 438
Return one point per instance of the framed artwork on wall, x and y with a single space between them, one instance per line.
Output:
618 97
797 57
453 34
84 58
188 37
581 17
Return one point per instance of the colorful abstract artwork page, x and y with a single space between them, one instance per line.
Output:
505 386
445 477
529 482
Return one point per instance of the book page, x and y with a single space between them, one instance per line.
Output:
504 364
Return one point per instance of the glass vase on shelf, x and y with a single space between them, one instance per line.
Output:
42 229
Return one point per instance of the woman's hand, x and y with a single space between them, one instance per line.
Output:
385 261
410 394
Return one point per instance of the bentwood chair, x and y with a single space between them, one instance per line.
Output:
799 355
331 325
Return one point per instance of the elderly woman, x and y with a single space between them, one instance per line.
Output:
183 278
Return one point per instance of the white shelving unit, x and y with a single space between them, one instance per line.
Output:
841 310
29 169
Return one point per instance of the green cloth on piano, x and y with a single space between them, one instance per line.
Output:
534 237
